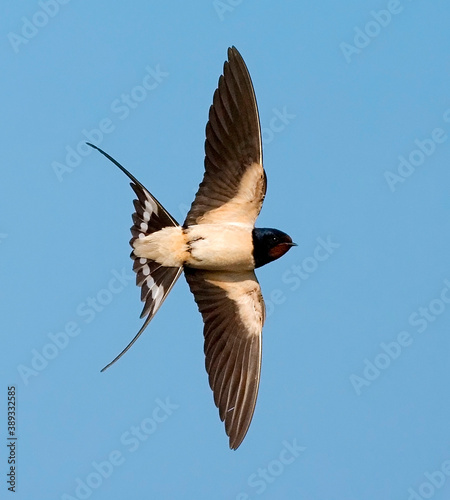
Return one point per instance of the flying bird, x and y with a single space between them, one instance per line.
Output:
217 247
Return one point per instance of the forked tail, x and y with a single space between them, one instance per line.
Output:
155 280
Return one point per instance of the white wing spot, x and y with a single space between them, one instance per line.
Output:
144 226
151 206
141 236
157 295
142 260
150 282
146 270
146 216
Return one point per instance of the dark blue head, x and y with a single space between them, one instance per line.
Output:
269 244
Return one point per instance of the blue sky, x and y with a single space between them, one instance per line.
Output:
354 401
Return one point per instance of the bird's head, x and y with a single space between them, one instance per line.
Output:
270 244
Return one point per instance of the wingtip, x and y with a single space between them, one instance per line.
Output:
233 52
235 443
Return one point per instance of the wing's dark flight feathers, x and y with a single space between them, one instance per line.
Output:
221 110
229 110
238 401
218 137
220 375
215 340
222 368
232 354
214 158
230 394
236 104
216 358
247 90
225 389
220 147
242 392
218 126
247 401
221 189
239 142
242 93
233 140
246 395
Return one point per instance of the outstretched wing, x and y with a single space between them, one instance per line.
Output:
155 280
234 184
233 313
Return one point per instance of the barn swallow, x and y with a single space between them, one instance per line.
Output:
217 247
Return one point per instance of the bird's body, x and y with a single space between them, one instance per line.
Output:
212 247
217 247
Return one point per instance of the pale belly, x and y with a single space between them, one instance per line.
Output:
226 247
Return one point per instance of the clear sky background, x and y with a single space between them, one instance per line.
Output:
354 402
